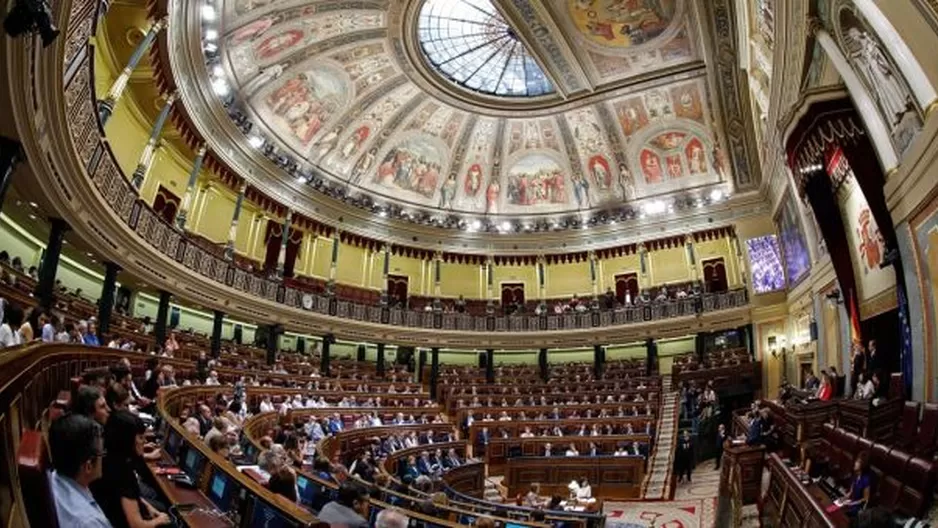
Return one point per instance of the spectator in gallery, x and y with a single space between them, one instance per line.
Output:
610 299
89 336
548 450
460 305
572 451
10 329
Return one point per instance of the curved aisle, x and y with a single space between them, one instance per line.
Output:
659 482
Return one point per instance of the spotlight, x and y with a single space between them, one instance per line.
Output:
716 195
31 16
220 87
506 226
208 12
211 34
256 141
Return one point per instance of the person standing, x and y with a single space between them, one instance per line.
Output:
684 459
721 440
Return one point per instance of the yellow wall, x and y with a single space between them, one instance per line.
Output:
523 274
467 280
418 273
352 265
721 248
212 218
669 265
609 268
564 280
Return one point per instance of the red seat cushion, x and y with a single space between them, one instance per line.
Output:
32 460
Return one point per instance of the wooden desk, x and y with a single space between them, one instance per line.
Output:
876 423
468 479
205 514
749 461
516 427
496 455
609 477
788 502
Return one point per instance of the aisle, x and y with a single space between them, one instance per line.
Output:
693 505
659 483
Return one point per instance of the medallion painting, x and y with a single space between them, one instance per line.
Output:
622 23
300 104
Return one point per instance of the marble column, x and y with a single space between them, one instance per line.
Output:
162 318
153 143
380 361
48 268
284 241
106 106
434 371
490 365
233 230
190 187
325 354
106 302
385 270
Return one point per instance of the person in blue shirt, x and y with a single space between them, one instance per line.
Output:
90 337
860 488
77 449
335 424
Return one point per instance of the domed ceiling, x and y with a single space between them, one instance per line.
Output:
496 107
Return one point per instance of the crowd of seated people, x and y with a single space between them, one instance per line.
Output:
712 359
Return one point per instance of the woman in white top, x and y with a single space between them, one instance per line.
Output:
572 451
584 492
10 329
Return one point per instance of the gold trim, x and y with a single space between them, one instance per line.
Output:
931 108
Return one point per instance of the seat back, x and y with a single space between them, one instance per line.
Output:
928 430
908 426
32 459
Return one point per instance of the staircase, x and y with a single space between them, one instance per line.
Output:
658 483
493 492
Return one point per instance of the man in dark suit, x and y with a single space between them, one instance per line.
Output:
484 437
548 450
684 457
721 439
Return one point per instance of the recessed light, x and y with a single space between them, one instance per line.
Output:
218 71
211 34
32 216
716 195
220 87
208 12
383 213
33 205
256 141
89 254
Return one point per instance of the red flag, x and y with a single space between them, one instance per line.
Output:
854 320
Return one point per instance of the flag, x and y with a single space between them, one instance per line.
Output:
855 336
905 335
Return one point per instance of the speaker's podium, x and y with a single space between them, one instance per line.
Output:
744 462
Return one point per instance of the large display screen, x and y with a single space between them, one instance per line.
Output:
794 247
765 260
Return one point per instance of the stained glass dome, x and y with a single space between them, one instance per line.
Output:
470 43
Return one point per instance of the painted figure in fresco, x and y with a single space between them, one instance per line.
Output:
491 197
363 166
409 170
872 245
448 192
871 63
581 190
651 166
626 183
251 31
473 180
674 167
265 77
326 143
696 158
274 44
658 105
719 162
355 141
599 170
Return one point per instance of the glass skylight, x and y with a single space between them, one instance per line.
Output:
471 44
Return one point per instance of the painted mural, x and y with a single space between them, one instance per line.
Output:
867 247
879 73
924 227
622 23
413 165
794 245
300 104
673 155
270 39
537 181
602 180
477 167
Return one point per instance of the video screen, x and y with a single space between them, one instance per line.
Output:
173 440
266 516
192 465
765 258
221 490
312 494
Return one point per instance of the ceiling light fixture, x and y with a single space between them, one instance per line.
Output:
716 195
382 213
256 141
218 71
506 226
33 205
220 87
211 34
208 12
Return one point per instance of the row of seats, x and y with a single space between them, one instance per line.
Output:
903 482
918 429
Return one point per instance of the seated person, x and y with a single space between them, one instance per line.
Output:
349 509
548 449
826 391
283 482
76 448
572 451
865 387
533 497
858 497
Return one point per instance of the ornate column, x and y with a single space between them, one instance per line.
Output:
434 371
146 158
233 230
594 275
106 106
490 281
866 106
162 316
325 351
187 197
490 365
599 359
542 365
385 270
691 256
273 342
334 263
542 283
106 302
437 270
380 369
48 268
284 240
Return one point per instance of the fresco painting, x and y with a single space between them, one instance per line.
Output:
413 165
622 23
535 180
304 102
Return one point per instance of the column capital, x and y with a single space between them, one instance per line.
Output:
59 224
